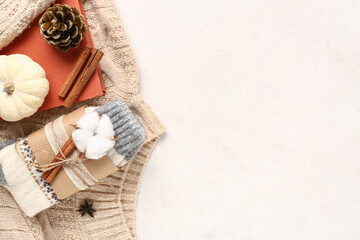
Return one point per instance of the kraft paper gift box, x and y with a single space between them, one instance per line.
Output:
20 160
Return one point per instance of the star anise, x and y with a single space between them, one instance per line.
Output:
87 208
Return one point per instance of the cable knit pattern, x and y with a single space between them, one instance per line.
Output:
16 16
113 220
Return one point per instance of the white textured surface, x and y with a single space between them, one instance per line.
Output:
261 100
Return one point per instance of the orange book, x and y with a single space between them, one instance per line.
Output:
56 64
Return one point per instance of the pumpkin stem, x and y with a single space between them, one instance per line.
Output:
9 88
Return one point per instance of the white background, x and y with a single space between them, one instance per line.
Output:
261 100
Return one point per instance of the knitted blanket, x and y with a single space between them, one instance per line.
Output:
114 220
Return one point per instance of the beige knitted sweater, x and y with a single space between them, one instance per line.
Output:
113 220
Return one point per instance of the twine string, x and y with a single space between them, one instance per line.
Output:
50 166
71 162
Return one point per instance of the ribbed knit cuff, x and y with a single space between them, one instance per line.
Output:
153 126
23 181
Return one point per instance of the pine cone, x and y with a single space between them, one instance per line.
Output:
63 27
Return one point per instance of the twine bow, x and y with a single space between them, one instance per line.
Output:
62 158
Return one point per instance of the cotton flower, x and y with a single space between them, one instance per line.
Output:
82 138
98 146
89 121
105 127
94 135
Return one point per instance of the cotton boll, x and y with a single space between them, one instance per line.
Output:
89 121
98 146
90 109
105 128
94 146
82 138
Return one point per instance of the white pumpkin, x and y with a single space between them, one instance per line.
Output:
23 87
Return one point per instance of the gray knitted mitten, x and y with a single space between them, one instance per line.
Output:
127 127
23 180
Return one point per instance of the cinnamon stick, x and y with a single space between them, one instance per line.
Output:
67 149
75 72
84 79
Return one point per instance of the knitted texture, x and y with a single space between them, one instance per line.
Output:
112 220
2 177
6 143
23 180
15 16
127 128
